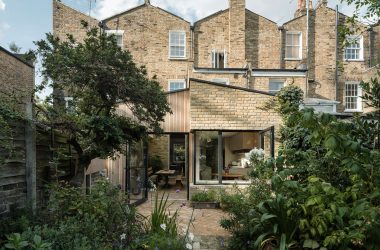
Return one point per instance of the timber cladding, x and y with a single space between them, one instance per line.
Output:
215 107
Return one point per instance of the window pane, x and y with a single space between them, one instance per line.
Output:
119 40
352 96
353 48
176 85
207 156
177 44
296 40
293 45
235 147
275 86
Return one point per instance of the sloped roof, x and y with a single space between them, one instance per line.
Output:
141 6
16 57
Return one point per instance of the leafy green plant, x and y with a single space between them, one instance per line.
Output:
15 241
161 221
324 185
155 162
205 196
278 223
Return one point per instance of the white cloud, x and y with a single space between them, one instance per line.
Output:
107 8
2 5
277 10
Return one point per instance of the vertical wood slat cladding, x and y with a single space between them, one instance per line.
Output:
179 120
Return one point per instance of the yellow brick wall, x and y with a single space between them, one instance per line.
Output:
68 21
16 76
262 42
146 36
217 107
159 145
211 33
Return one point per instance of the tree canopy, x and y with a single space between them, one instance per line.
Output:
98 76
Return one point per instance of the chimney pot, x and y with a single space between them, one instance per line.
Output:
322 3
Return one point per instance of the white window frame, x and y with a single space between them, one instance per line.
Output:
359 102
184 45
117 33
225 81
183 81
300 42
361 52
215 60
275 80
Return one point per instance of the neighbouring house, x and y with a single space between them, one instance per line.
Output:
219 72
18 171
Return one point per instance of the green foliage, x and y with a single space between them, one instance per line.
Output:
372 8
100 77
155 162
15 242
324 191
158 241
205 196
240 204
12 114
161 221
102 219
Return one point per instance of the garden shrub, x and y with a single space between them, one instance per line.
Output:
102 219
324 185
205 196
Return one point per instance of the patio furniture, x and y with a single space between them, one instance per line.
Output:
229 176
152 176
178 182
165 174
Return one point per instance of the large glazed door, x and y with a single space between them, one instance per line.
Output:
266 141
137 172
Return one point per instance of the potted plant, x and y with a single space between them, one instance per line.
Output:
205 199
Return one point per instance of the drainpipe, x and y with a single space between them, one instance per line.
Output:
336 53
282 30
370 34
307 48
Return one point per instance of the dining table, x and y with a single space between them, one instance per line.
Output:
165 173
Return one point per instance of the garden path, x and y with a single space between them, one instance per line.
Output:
205 222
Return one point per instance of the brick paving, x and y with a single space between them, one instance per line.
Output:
205 222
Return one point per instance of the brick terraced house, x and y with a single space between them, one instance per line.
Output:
218 74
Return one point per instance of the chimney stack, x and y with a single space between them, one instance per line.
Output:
322 3
302 8
236 57
147 2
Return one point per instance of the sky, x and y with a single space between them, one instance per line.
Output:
25 21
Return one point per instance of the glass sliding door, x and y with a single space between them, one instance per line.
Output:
137 172
267 141
206 157
220 156
235 164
